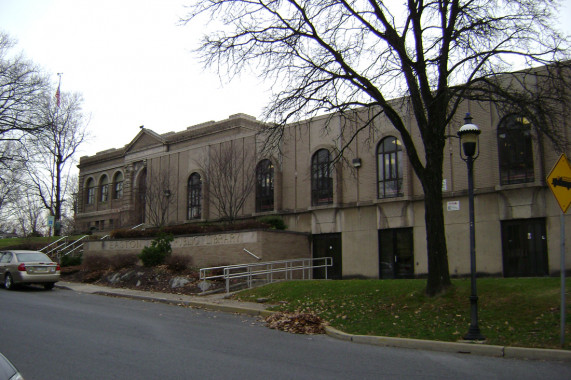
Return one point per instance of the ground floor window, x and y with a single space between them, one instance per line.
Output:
396 255
524 248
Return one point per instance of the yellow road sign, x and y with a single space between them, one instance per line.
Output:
559 181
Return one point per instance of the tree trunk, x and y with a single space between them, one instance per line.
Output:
438 272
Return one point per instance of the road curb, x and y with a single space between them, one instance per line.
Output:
455 347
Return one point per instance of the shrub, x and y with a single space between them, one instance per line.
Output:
158 251
178 263
123 261
275 222
96 263
70 261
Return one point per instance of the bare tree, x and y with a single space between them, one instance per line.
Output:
160 194
28 212
230 178
21 89
336 55
52 152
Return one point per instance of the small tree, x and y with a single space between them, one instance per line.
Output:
158 251
160 194
230 176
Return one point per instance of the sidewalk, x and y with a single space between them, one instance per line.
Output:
218 302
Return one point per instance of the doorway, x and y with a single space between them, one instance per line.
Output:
396 253
328 245
524 247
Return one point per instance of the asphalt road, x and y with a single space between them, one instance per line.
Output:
61 334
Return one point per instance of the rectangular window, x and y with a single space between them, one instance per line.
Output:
104 193
118 190
91 195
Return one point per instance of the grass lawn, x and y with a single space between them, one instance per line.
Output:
520 312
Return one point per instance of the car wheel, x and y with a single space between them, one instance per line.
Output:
49 286
8 282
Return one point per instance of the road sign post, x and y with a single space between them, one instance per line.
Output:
559 181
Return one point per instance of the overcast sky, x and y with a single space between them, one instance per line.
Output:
133 64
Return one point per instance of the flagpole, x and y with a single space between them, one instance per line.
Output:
56 229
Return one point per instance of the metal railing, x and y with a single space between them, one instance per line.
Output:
267 271
74 246
53 245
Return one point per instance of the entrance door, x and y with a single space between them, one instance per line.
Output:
328 245
524 246
396 254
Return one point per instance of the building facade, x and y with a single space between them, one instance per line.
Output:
366 209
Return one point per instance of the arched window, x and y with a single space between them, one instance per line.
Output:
118 186
194 196
389 168
321 180
104 184
515 150
264 186
90 191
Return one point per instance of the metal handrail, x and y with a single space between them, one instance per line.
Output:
77 242
269 268
52 243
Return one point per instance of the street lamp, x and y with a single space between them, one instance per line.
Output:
469 151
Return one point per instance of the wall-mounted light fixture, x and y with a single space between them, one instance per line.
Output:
357 163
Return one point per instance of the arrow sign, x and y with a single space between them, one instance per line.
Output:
559 181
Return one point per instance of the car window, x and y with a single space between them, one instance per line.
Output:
6 258
32 256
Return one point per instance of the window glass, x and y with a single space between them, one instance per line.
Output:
264 186
90 192
194 196
26 257
321 179
104 189
118 186
389 168
515 150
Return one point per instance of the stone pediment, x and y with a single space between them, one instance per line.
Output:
145 139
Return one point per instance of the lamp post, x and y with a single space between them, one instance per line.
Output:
469 151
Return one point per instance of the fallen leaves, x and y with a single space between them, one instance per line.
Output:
296 323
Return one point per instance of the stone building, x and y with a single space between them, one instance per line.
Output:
366 210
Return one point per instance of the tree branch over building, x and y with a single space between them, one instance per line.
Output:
339 55
230 177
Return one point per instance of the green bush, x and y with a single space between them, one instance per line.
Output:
275 222
70 261
158 251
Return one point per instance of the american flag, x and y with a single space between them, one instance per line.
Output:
57 96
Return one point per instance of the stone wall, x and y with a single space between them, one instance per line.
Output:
217 249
